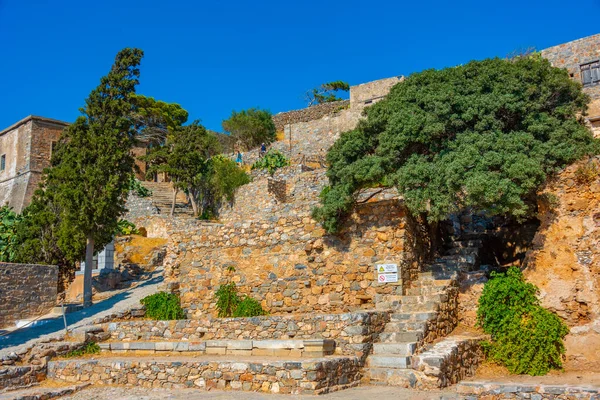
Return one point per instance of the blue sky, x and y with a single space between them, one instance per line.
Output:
216 56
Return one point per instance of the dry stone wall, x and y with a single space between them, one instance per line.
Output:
308 114
26 290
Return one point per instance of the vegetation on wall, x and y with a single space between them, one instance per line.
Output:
326 93
9 243
138 189
163 306
249 128
271 161
484 135
526 338
229 303
125 227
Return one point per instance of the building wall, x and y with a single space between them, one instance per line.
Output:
26 291
27 146
571 56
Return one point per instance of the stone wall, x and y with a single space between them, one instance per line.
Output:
565 259
571 56
516 390
311 376
26 291
368 93
353 333
308 114
12 377
284 259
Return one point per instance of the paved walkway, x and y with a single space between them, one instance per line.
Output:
53 326
358 393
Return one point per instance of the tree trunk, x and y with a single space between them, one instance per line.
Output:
192 199
174 200
87 272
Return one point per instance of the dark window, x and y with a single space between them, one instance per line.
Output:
3 162
590 73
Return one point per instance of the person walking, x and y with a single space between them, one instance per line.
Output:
239 159
263 150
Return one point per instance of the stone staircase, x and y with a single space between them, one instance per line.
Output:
162 198
425 313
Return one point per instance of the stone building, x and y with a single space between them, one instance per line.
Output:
25 150
581 58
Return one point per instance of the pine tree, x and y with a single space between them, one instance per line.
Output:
93 164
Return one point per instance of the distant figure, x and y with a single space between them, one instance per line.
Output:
238 159
263 150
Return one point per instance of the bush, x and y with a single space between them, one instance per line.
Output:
526 338
125 227
229 303
587 173
88 348
163 306
136 187
9 242
249 307
271 161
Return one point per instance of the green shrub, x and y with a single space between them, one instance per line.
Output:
9 243
227 300
271 161
88 348
125 227
249 307
163 306
526 338
229 303
587 173
136 187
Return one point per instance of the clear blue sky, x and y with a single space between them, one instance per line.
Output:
216 56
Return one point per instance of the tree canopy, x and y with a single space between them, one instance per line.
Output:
326 93
484 135
154 119
249 128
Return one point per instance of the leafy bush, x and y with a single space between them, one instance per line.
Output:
136 187
249 307
525 337
271 161
125 227
250 127
163 306
9 243
227 300
484 135
88 348
229 303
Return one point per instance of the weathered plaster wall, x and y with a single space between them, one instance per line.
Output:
565 260
26 290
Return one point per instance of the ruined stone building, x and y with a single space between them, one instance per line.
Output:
25 150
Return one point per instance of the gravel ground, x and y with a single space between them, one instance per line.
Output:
359 393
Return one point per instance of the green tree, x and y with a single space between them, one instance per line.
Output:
185 157
484 135
249 128
326 93
9 245
154 119
92 165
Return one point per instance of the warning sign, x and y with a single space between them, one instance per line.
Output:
387 278
386 268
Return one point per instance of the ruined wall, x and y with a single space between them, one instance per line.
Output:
571 56
370 92
565 260
275 252
26 290
308 114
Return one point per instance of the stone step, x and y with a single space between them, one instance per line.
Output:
404 326
425 290
401 348
408 299
398 337
42 392
467 243
420 307
391 377
463 251
458 258
389 361
414 316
